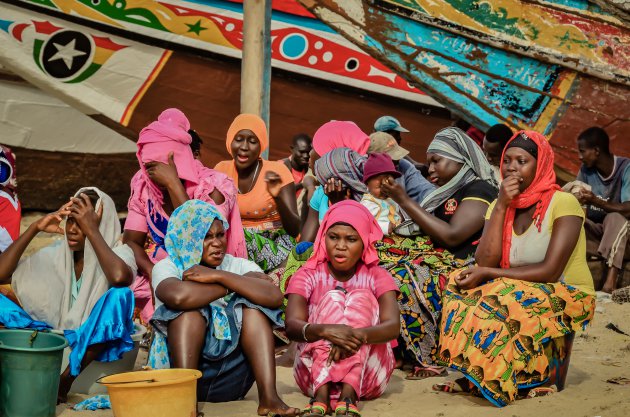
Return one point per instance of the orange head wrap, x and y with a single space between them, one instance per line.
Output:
248 122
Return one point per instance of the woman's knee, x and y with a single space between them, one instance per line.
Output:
119 294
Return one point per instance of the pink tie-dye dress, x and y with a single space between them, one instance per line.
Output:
354 303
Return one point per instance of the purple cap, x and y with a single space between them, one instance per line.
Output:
377 164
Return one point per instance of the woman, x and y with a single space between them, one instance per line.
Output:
342 147
78 284
216 311
342 308
451 220
531 284
266 193
169 175
10 207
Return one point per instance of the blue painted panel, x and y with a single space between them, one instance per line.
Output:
486 83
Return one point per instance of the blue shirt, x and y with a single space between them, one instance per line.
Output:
319 202
416 186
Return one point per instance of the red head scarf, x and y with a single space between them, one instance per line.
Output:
539 192
357 216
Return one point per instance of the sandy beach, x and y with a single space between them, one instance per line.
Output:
599 354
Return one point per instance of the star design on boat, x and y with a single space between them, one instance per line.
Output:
196 28
67 53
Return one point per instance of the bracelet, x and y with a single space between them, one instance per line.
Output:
304 331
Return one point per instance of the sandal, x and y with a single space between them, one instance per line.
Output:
347 408
432 370
315 409
461 385
541 391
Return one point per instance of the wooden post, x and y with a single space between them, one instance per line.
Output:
256 63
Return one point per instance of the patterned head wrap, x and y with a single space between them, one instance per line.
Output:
454 144
186 231
346 165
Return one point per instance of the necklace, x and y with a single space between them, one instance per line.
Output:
253 179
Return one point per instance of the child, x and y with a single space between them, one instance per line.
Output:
216 311
342 308
386 212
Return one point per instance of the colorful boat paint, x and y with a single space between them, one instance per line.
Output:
481 70
572 36
300 44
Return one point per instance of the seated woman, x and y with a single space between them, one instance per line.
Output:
451 220
342 308
266 193
78 284
216 311
169 175
532 283
340 173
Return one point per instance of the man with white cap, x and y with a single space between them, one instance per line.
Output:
416 186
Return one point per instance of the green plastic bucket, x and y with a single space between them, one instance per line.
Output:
29 372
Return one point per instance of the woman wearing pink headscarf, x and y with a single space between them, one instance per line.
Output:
342 309
342 147
169 175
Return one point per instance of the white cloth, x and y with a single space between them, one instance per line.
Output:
42 282
384 211
167 269
5 239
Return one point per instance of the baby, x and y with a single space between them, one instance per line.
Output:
386 212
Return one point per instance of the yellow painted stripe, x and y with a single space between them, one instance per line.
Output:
142 91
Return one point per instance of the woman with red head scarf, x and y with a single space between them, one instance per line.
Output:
342 309
169 175
531 285
266 193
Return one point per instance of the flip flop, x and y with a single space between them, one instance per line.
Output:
455 387
434 370
541 391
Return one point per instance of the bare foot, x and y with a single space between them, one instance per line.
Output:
277 407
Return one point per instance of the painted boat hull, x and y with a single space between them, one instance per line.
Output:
488 82
124 80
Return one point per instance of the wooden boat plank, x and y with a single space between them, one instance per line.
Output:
557 36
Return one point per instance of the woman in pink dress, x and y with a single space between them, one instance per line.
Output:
169 175
342 309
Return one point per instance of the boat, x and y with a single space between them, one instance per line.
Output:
554 66
120 63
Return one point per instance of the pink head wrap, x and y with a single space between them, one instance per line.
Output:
169 133
357 216
339 134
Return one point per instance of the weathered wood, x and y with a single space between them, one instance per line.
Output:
484 83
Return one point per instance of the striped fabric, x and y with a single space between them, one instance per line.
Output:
346 165
453 143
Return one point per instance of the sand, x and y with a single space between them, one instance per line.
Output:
598 355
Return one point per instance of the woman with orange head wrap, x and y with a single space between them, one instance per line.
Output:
266 193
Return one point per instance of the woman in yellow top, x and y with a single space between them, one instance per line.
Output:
531 284
266 193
